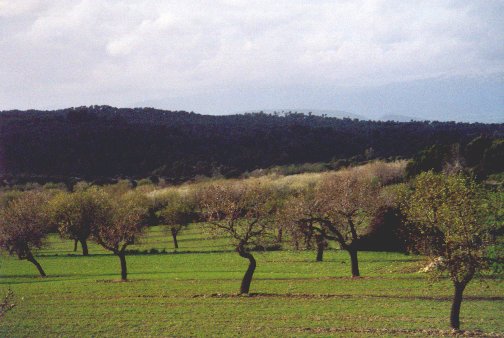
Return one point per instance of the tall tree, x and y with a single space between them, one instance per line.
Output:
450 219
24 226
242 211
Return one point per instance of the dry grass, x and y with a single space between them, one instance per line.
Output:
384 172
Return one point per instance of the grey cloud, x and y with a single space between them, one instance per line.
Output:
67 53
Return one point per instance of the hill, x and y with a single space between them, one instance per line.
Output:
100 142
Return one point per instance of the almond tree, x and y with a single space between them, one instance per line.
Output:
179 211
298 215
338 209
125 217
347 201
449 219
24 226
242 211
77 213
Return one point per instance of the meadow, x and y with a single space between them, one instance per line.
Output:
194 292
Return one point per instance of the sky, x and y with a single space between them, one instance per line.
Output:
441 60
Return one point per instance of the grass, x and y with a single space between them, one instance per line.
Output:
194 293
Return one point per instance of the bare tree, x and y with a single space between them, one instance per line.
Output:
23 226
450 222
242 211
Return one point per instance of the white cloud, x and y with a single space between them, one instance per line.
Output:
63 53
9 8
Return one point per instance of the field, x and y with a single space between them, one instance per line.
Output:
194 293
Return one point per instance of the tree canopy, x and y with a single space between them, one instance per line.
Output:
24 226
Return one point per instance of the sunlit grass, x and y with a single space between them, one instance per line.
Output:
194 293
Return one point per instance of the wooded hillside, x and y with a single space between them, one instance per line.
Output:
99 142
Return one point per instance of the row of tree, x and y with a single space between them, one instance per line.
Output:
447 216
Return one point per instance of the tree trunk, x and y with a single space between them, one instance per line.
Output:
457 302
32 259
85 251
124 270
247 279
320 248
75 244
355 262
279 236
308 238
174 235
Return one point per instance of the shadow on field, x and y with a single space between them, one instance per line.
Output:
139 253
343 260
29 279
345 296
344 278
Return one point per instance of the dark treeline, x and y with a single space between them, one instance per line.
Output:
101 142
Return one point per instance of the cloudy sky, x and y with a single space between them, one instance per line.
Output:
435 59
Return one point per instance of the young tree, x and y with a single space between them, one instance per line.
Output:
449 220
123 222
23 226
244 212
7 303
179 211
76 214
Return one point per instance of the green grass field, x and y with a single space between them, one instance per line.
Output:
194 293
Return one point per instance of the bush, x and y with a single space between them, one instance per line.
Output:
385 232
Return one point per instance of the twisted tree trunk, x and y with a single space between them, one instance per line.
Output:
32 259
247 278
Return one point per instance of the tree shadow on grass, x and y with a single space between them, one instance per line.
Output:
146 252
346 296
30 279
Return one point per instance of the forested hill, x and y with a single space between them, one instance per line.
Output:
102 142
